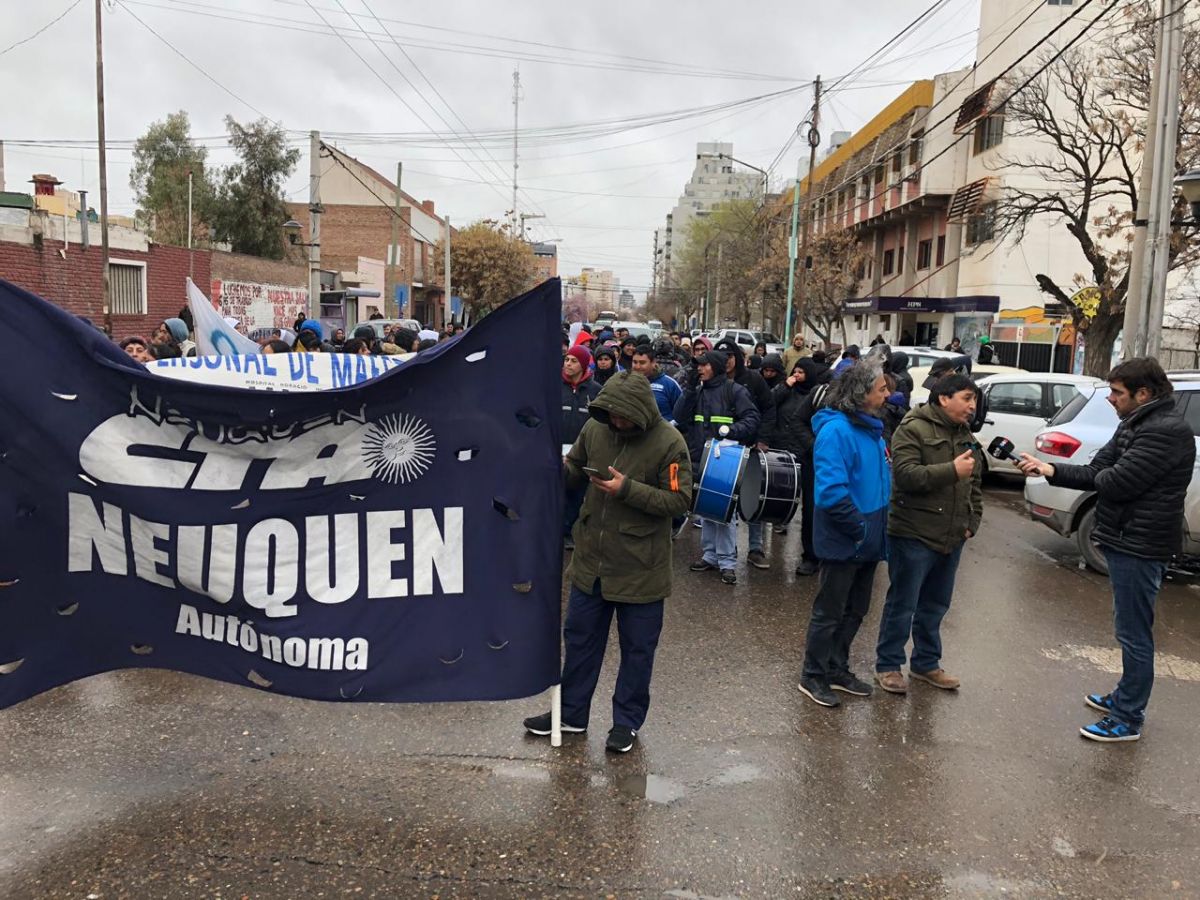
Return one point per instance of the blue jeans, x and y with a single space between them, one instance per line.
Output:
922 583
585 634
719 543
756 536
1135 583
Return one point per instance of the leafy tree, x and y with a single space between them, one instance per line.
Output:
724 248
250 207
1088 114
489 266
162 158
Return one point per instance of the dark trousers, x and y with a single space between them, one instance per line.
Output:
918 598
838 610
1135 583
585 634
807 511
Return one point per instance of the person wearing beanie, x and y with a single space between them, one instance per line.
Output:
737 370
315 327
579 389
606 365
817 377
714 407
175 332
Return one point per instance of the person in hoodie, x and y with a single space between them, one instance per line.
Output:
175 332
578 392
853 486
713 406
937 508
736 368
625 359
810 379
606 365
788 396
849 357
898 365
666 390
772 370
622 562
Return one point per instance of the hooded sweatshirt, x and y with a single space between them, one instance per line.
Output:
704 408
602 375
853 484
899 368
754 383
790 405
623 541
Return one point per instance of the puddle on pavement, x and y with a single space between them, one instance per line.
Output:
1108 659
654 788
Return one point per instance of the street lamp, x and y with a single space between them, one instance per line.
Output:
292 229
1189 185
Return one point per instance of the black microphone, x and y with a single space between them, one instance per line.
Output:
1002 448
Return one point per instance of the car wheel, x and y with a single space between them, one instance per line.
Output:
1087 548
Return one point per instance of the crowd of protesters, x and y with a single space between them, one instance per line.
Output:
882 480
172 339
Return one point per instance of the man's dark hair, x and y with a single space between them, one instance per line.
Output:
949 386
278 346
1142 372
644 350
354 345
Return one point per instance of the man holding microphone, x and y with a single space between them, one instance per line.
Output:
1141 478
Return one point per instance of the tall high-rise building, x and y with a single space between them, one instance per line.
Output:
714 181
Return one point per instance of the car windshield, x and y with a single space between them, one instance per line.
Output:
765 337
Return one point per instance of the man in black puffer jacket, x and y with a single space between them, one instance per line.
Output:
1141 478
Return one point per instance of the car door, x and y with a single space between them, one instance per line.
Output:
1017 410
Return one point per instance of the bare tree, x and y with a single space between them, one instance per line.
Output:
1087 112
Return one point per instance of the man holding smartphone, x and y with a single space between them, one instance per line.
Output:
638 476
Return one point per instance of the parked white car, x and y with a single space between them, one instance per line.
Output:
1021 405
747 340
1079 430
921 393
920 357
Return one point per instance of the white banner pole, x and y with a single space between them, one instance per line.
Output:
556 716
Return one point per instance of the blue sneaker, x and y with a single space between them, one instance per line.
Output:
1108 731
1100 702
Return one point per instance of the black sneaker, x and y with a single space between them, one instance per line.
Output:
1099 702
807 567
540 725
729 576
818 692
758 559
851 684
701 566
620 739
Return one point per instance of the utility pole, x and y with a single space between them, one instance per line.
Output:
796 248
448 314
717 301
1146 295
516 119
107 287
392 302
314 224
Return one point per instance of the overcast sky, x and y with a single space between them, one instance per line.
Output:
584 62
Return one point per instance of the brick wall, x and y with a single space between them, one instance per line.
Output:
75 283
240 267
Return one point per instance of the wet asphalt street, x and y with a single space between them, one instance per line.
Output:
153 784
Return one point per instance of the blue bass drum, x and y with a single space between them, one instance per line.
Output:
721 472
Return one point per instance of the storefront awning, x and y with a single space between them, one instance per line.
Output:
980 304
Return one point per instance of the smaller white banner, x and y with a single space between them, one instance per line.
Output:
279 371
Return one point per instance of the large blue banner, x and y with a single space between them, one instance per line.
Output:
397 540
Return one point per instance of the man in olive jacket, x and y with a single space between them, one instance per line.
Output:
937 504
638 476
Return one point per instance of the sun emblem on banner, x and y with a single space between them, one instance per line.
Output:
399 448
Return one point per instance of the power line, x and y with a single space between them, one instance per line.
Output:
388 205
48 25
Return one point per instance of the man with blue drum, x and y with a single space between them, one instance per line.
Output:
713 407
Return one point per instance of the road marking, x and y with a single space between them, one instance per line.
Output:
1108 659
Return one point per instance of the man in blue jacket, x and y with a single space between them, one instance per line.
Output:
853 484
666 390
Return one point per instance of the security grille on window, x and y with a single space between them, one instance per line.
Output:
974 107
981 227
126 284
